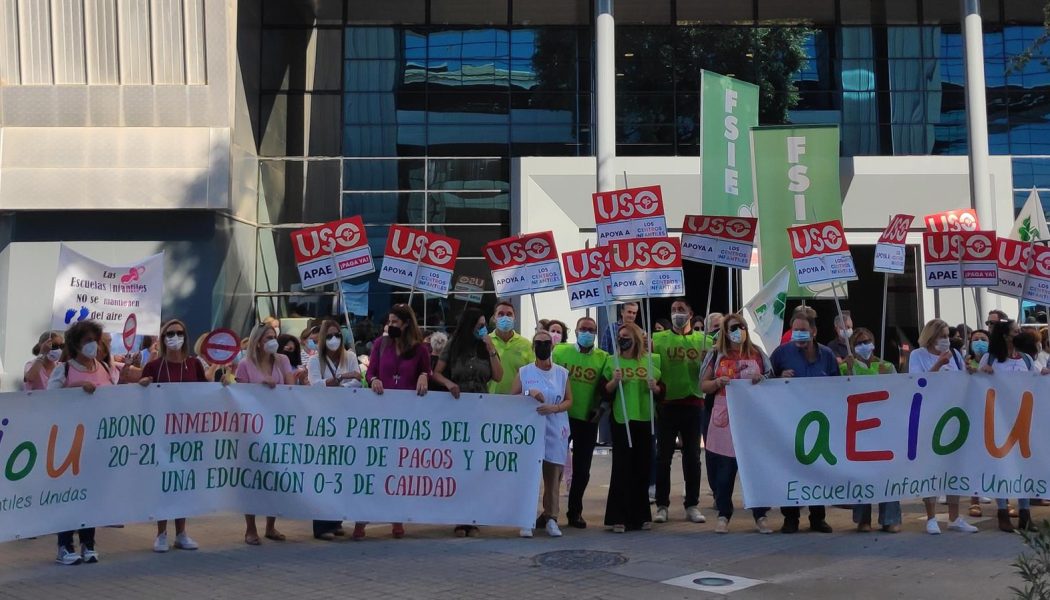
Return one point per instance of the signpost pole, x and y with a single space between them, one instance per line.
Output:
610 314
339 290
415 276
838 309
649 353
535 311
710 291
962 292
885 295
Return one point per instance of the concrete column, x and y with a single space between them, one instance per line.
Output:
977 125
605 95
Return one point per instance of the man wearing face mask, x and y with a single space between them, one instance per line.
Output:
804 357
584 363
843 332
514 350
628 314
681 351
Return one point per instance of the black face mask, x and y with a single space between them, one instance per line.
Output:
393 331
293 357
956 344
625 343
542 349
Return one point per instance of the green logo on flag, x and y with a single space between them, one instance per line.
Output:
1026 232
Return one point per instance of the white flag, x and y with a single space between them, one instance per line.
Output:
1031 222
765 312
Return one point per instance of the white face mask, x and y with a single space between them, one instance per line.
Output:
333 343
54 355
847 334
943 344
271 347
174 343
89 349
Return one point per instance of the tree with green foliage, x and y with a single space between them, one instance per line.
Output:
1031 52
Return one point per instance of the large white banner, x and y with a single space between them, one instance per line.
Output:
838 440
128 454
88 289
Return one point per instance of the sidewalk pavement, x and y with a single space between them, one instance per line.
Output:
592 563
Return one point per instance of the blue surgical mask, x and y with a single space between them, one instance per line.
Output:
311 346
800 337
979 347
585 339
505 323
864 350
481 332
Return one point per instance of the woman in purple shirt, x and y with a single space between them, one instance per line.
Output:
399 361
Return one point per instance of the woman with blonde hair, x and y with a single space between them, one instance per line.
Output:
935 355
47 353
263 365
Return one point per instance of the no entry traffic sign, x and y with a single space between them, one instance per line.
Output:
131 327
220 347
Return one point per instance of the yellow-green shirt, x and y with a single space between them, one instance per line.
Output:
635 386
680 359
514 354
860 368
585 369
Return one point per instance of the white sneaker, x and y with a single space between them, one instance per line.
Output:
88 554
525 533
693 514
762 526
661 515
552 528
932 527
67 557
185 542
722 526
161 543
960 524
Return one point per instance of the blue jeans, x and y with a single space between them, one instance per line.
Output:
1022 503
723 469
889 513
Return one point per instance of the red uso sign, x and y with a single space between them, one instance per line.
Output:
646 268
1037 288
629 213
738 229
963 219
960 259
897 231
417 259
518 251
524 265
333 251
817 239
1014 259
586 277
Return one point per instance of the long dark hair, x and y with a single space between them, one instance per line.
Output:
295 356
410 334
998 339
463 342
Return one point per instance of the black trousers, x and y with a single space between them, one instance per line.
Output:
321 527
87 537
628 501
792 513
678 421
584 435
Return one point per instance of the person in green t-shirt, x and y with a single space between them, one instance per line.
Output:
681 351
585 363
514 350
627 506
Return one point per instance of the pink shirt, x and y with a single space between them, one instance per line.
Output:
72 374
719 437
39 383
248 372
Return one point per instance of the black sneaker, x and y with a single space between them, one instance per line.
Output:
819 526
789 526
577 522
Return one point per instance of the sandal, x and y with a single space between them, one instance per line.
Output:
275 535
397 530
975 510
252 540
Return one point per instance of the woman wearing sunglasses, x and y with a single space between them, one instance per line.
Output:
735 357
173 365
47 353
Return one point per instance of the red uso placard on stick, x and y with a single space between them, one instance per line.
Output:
962 219
435 255
587 277
1037 288
220 347
628 214
890 249
961 258
333 251
524 265
721 241
1014 261
646 268
821 253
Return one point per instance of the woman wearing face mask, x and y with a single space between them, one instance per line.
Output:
1004 357
627 506
548 384
263 365
309 344
935 355
289 347
399 361
173 365
864 362
335 366
978 348
559 331
81 368
48 351
735 358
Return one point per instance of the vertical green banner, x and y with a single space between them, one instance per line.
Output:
796 171
729 108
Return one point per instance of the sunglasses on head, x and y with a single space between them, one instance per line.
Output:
174 332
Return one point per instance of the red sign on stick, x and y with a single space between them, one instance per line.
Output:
642 268
821 253
897 231
961 258
435 254
721 241
131 326
524 265
586 277
333 251
630 213
963 219
889 251
220 347
1014 259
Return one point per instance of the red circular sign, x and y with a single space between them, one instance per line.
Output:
220 347
131 327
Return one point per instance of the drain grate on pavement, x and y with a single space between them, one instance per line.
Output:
579 560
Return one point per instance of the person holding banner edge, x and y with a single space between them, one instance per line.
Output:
514 350
173 365
627 505
679 416
804 357
80 368
934 355
585 363
263 365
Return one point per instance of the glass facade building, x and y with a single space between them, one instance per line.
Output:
409 111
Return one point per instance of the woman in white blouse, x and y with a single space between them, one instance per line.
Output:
334 365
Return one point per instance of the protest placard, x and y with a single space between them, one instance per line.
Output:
821 253
526 264
960 259
1014 261
720 241
962 219
629 213
646 268
419 260
332 251
890 249
587 277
